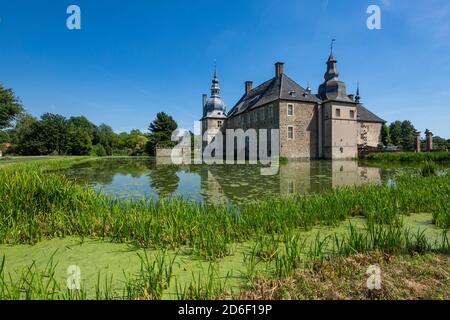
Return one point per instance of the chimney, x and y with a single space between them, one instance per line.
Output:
248 86
205 96
279 69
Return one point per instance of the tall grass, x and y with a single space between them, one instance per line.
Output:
441 215
33 283
37 205
410 156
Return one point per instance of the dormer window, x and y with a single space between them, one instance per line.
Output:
219 124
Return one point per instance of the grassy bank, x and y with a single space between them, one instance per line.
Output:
410 156
402 277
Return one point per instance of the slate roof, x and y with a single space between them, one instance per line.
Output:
365 115
283 88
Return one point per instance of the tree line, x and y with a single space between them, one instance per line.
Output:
403 134
54 134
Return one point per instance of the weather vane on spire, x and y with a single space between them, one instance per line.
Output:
215 68
332 44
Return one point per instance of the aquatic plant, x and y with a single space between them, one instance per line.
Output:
410 156
204 287
428 169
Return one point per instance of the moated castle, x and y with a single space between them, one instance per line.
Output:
326 125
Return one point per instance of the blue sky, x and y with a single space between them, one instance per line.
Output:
134 58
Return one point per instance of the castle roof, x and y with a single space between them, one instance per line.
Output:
364 115
281 87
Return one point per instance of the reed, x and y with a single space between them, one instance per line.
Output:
212 288
153 279
441 156
441 215
428 169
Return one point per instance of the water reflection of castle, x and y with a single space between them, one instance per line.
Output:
221 183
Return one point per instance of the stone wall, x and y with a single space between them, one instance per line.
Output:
372 133
304 122
263 117
340 131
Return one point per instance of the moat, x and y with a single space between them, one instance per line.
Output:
138 178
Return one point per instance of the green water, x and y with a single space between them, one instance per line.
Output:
138 178
113 261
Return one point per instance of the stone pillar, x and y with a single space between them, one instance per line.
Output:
417 148
429 140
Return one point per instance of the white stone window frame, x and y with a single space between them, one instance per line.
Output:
352 114
219 124
290 105
293 135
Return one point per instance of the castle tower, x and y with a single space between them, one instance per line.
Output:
339 116
214 112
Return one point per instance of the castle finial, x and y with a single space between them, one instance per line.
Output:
332 45
215 88
357 97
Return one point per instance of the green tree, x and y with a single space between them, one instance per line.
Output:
408 137
161 132
440 143
106 137
78 141
385 136
53 130
10 107
99 151
395 131
82 122
26 136
4 137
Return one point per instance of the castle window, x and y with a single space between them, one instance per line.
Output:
338 113
290 133
290 186
352 114
219 124
270 111
290 110
263 113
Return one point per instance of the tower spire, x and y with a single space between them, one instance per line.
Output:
215 69
332 73
357 97
215 88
